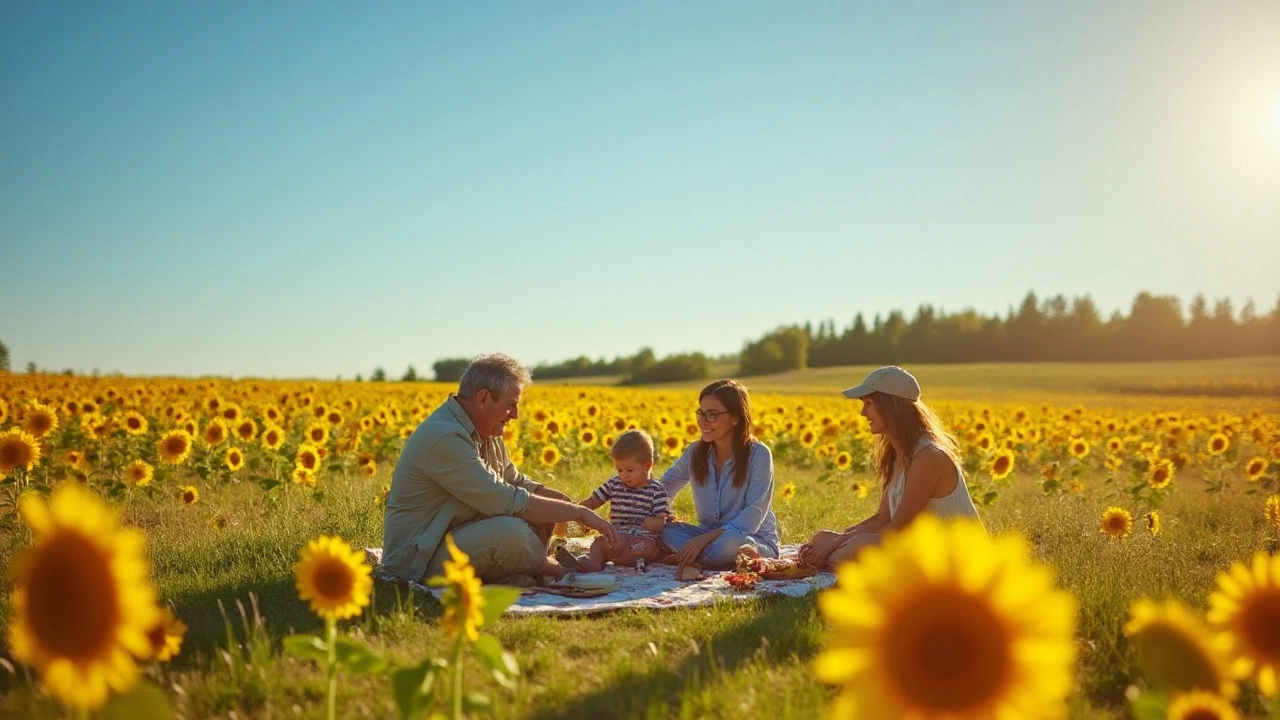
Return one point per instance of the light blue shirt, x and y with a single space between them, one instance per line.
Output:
748 509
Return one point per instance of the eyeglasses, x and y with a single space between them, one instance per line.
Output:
709 415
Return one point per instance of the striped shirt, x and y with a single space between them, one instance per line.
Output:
628 507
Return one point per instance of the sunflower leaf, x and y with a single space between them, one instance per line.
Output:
145 701
306 647
497 598
413 688
358 658
497 660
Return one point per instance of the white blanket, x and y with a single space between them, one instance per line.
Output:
657 588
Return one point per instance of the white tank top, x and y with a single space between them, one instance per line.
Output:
955 504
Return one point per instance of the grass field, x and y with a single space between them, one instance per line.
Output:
226 562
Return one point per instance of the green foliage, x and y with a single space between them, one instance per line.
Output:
450 369
783 349
673 368
4 357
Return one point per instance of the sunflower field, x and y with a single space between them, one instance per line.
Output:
156 533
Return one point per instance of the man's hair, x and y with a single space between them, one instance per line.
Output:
494 372
632 445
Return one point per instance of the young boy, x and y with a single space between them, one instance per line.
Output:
637 506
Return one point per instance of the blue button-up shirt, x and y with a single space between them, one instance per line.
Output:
748 509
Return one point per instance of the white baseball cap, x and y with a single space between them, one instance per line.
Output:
890 380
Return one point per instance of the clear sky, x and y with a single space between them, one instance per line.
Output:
316 189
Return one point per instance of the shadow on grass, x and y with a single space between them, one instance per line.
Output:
778 633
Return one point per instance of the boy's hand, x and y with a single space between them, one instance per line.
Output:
655 523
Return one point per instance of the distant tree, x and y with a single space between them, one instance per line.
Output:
4 357
450 369
410 375
786 348
31 367
673 368
359 377
379 375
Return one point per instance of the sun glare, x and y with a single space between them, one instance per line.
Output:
1275 117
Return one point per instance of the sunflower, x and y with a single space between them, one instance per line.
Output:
334 418
302 476
82 600
1271 510
308 457
549 456
1114 445
463 597
1177 652
317 433
1160 474
231 412
1001 465
986 441
40 419
246 430
190 495
844 460
1116 523
1153 522
334 578
139 473
272 437
73 459
174 447
190 427
1218 444
369 469
860 490
788 491
4 410
1078 447
1255 468
1200 705
134 423
943 621
672 445
272 414
587 436
233 458
17 449
1246 608
166 635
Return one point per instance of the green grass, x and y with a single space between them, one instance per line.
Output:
234 587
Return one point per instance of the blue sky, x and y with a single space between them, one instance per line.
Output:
317 189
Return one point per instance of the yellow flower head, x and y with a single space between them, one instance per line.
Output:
1271 510
215 433
1001 465
1160 474
17 449
1153 522
174 447
463 597
234 459
1255 468
860 490
788 491
190 495
844 460
1078 447
272 437
166 636
40 419
1246 609
334 578
1218 444
83 600
139 473
1200 705
943 621
1116 523
134 423
549 456
1176 651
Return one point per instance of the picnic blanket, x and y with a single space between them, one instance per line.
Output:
654 589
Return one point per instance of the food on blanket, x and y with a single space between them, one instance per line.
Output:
689 573
743 581
769 569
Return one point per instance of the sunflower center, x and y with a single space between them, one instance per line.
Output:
334 581
1260 621
948 651
71 598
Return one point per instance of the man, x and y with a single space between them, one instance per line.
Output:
454 477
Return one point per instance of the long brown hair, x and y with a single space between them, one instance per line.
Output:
735 399
905 421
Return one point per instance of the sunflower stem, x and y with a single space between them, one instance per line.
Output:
457 676
331 636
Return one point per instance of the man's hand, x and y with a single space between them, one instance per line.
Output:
547 492
602 526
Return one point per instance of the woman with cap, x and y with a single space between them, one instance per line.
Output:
915 458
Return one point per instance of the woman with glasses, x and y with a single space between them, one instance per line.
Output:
732 484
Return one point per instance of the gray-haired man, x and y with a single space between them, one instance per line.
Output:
454 477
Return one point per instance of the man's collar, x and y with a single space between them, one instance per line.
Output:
460 414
